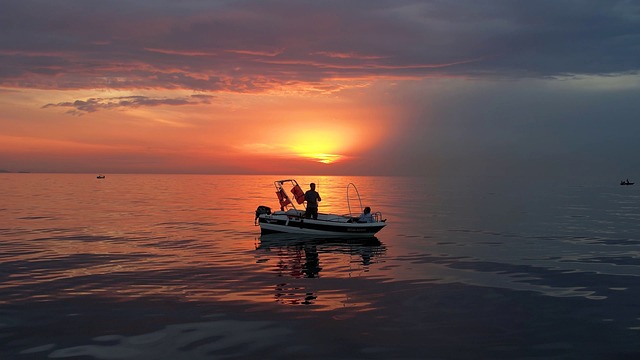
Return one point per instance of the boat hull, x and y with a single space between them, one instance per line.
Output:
326 225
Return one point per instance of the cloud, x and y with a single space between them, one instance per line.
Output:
256 46
90 105
454 85
507 129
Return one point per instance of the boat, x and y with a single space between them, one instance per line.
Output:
100 177
290 219
626 182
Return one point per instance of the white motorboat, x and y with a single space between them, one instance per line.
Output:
290 219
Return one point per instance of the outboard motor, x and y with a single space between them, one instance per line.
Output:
262 210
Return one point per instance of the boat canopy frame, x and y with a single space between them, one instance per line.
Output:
348 198
283 196
377 216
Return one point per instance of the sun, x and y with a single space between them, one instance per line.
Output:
324 158
325 146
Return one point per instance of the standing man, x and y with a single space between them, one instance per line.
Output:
312 197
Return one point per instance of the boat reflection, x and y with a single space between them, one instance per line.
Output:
302 252
295 259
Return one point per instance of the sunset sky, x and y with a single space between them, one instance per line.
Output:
354 87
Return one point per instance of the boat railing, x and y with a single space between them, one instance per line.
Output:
377 217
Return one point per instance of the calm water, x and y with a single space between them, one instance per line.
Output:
172 267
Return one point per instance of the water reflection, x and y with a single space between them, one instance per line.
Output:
300 256
294 259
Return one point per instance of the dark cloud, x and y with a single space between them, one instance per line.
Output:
94 104
252 46
534 129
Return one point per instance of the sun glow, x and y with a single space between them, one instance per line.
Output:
162 131
326 146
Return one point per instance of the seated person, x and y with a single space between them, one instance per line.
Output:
366 216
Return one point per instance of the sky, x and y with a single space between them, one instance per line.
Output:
460 88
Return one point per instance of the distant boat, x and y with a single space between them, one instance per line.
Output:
100 177
626 182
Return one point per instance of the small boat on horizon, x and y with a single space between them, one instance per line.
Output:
100 177
290 219
626 182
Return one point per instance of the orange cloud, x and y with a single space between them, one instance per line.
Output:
181 52
256 52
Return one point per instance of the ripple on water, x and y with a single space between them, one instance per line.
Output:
222 337
455 268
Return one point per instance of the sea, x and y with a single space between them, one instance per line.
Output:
174 267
